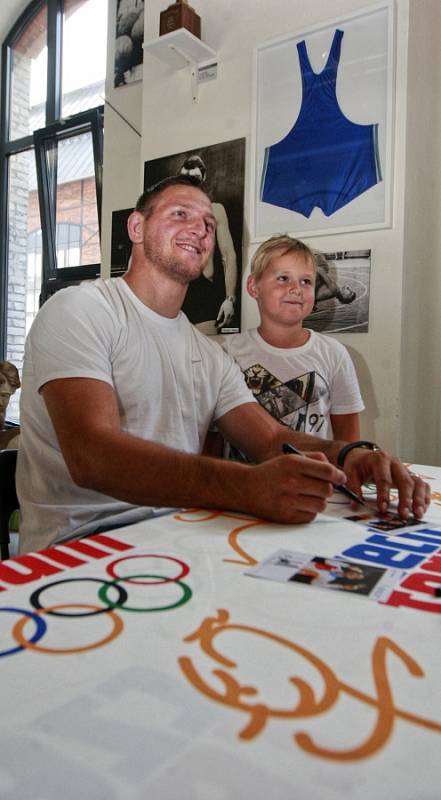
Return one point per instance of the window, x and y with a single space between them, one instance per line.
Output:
69 158
68 239
51 158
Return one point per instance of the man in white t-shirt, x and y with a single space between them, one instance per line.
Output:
119 390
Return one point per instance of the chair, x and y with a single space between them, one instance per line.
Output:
8 497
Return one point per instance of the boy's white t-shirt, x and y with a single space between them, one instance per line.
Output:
299 386
170 383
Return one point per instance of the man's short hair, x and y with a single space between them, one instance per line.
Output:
144 204
281 244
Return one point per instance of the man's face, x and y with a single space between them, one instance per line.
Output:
353 574
179 233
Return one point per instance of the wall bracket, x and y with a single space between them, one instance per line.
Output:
181 49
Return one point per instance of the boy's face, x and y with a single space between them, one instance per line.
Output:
285 290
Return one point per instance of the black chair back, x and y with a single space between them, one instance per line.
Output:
8 496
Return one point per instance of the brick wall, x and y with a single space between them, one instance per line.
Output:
19 175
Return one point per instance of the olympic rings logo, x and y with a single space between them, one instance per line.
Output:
113 596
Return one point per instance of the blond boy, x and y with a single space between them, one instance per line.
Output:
302 378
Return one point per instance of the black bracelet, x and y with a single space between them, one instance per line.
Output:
348 447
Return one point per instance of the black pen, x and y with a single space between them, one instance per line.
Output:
289 448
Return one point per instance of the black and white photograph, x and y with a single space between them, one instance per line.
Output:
341 292
121 245
213 301
128 41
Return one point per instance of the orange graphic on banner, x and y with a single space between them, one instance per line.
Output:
245 697
194 515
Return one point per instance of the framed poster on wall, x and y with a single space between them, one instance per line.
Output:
121 247
128 41
342 292
323 128
213 301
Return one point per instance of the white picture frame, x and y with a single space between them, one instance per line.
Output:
364 91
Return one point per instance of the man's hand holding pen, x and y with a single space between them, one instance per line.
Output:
290 489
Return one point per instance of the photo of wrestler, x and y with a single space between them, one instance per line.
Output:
213 301
341 292
327 573
128 41
121 247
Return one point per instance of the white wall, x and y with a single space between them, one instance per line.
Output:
11 10
421 331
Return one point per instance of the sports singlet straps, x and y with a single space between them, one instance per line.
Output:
325 160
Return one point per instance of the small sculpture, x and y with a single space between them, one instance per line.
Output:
9 383
180 15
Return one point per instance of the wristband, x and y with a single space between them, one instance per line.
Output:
348 447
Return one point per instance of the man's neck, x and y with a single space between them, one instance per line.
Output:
165 300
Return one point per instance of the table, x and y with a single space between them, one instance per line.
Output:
190 679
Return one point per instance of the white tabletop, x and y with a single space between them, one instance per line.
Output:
240 688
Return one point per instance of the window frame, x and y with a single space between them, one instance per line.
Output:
92 119
84 122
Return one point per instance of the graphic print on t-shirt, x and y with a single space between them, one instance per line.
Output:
292 402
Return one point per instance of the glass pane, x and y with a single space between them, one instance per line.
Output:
24 260
84 55
77 232
29 78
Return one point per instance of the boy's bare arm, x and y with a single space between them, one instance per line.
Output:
346 427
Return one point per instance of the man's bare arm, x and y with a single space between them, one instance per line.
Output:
254 431
100 456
